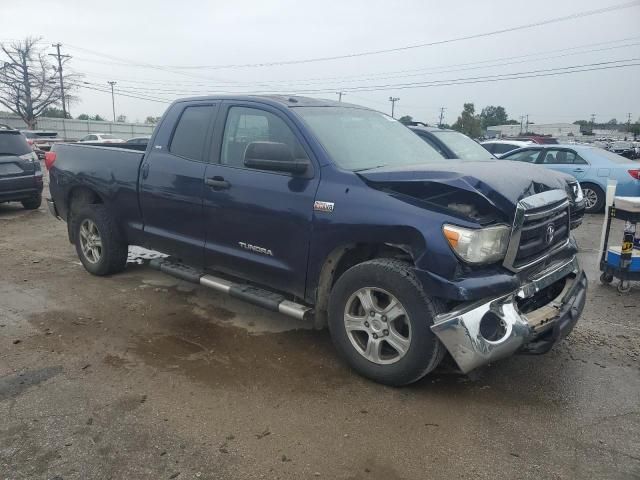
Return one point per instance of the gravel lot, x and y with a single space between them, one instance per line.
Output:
143 376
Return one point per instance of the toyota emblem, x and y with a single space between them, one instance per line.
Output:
551 232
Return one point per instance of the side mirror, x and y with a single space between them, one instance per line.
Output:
273 156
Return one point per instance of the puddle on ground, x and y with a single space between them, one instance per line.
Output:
221 355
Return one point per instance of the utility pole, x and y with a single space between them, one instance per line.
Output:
113 101
593 121
628 122
393 101
340 94
60 57
442 109
521 122
526 130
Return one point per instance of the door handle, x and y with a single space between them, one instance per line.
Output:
145 170
217 183
578 170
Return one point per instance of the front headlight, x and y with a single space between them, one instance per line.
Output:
31 157
577 192
479 245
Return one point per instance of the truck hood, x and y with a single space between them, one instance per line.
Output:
470 188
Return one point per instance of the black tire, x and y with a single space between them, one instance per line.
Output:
397 278
32 203
606 278
113 257
598 206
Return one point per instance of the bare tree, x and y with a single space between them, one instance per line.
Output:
28 82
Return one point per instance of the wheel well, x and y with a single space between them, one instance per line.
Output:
342 259
77 198
592 184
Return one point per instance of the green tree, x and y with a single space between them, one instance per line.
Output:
98 118
468 122
152 120
53 112
491 116
406 119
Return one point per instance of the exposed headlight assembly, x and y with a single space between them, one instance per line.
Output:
577 192
478 245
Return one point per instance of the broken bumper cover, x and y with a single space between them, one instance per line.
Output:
482 332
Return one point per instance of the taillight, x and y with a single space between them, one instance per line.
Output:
30 142
49 159
635 174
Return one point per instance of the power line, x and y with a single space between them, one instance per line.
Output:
138 97
294 83
461 80
442 69
564 18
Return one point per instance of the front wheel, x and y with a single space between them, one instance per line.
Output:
99 244
594 198
380 319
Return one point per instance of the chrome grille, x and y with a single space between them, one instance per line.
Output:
540 228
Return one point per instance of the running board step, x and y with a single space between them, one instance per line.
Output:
254 295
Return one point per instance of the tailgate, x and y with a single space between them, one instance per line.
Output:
16 173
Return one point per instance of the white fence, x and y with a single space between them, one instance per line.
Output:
76 129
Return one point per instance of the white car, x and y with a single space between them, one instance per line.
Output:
100 138
500 147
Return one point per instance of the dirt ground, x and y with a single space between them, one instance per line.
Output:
140 376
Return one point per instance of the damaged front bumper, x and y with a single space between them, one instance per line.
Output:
528 320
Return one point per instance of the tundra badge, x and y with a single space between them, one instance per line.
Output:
254 248
319 206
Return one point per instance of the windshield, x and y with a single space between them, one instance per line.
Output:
359 139
13 144
463 147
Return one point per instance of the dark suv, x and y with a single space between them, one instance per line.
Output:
20 172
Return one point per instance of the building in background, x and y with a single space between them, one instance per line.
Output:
556 130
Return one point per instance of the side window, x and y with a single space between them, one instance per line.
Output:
562 157
245 125
92 138
528 156
191 131
500 148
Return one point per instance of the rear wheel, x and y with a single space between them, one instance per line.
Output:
32 203
594 198
99 244
380 319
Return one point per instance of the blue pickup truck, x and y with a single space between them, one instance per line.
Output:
336 214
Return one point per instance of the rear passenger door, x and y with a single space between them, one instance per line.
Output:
258 222
172 182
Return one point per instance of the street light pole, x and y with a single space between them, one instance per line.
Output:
113 101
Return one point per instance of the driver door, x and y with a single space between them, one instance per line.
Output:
258 223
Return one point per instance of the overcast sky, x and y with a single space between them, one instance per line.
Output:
142 44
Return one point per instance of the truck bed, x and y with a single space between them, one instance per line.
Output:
110 171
